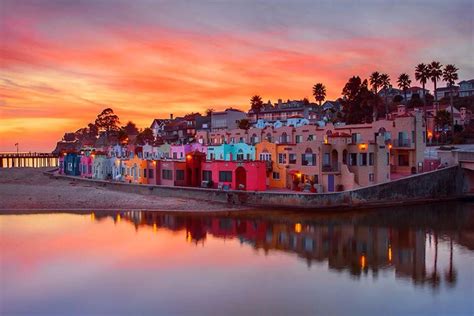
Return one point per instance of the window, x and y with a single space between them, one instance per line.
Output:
292 159
167 174
388 159
207 175
241 140
371 177
424 137
403 160
284 138
371 159
311 137
240 155
308 158
175 155
144 173
265 156
179 175
150 173
356 138
232 140
298 139
413 137
326 159
282 158
363 159
225 176
276 176
353 159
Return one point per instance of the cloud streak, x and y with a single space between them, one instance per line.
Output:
66 59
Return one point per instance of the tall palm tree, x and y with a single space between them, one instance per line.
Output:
319 92
404 83
422 75
256 105
385 83
375 82
435 75
450 76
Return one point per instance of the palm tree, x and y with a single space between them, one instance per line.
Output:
404 83
375 82
422 75
319 92
435 74
385 83
450 76
256 105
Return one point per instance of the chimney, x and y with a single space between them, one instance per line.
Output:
171 116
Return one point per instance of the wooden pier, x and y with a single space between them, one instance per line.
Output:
28 160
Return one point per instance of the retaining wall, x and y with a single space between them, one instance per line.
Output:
444 184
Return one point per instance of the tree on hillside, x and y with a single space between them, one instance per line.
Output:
145 137
450 76
385 84
376 83
107 121
357 101
130 128
435 69
422 74
443 119
256 105
243 124
69 137
319 92
209 112
404 83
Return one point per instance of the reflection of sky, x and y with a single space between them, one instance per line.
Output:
63 61
56 263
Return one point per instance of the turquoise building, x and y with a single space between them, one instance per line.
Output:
231 152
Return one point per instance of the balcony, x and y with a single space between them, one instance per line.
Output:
331 168
402 143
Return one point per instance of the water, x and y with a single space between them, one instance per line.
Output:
416 260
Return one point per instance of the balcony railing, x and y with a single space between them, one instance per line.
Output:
335 167
402 143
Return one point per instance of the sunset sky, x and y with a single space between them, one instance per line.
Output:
62 62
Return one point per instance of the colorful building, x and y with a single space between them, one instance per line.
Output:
235 175
231 152
87 161
71 165
101 167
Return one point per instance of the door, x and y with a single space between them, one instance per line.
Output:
331 183
240 178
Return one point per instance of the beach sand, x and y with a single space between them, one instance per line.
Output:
30 189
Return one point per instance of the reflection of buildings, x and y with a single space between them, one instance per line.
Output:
354 247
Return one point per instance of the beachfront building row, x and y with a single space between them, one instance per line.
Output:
192 171
304 158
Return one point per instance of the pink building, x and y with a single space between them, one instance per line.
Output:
247 175
180 151
87 161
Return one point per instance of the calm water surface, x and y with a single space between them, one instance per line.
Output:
417 260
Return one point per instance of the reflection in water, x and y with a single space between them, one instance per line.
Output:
416 260
357 243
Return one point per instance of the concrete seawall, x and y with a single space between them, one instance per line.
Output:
444 184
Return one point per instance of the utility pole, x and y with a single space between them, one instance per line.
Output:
16 144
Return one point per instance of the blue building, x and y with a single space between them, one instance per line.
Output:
72 163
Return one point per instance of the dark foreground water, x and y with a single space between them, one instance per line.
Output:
416 260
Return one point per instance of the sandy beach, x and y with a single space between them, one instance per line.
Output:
28 188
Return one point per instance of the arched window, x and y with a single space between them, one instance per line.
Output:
240 154
308 158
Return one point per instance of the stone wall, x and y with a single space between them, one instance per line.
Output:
448 183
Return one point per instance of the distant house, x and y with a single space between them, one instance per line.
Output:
226 119
158 126
445 92
466 88
391 92
282 111
330 109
